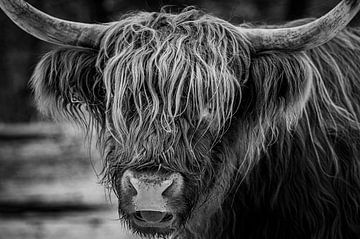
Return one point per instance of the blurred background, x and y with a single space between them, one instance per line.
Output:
49 183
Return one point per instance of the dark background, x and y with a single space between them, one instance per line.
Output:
19 52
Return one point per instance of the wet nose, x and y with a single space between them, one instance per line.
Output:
150 191
149 194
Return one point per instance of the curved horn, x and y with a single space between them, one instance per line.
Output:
51 29
306 36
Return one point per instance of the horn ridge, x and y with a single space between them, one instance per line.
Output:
305 36
52 29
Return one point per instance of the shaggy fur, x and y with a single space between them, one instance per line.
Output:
267 142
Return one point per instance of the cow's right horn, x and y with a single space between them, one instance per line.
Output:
51 29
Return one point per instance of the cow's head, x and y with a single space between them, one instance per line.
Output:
181 102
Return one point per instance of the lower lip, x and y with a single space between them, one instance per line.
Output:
146 229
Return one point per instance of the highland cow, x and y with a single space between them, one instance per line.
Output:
212 130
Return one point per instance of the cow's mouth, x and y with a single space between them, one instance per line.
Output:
152 219
152 223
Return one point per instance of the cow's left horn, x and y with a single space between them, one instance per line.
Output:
306 36
51 29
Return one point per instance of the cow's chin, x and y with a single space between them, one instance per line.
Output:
162 229
151 232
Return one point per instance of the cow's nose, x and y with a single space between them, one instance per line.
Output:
149 194
150 191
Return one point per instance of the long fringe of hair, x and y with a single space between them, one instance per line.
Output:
155 77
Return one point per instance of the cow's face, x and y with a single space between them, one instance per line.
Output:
161 91
171 84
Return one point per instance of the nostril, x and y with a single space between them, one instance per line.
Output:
168 190
131 187
174 186
127 185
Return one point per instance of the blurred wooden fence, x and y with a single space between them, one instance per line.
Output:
48 186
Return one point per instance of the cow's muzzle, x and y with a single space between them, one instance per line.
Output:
150 199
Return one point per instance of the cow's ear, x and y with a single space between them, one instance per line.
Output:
67 84
281 83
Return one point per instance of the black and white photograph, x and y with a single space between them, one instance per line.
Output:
175 119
